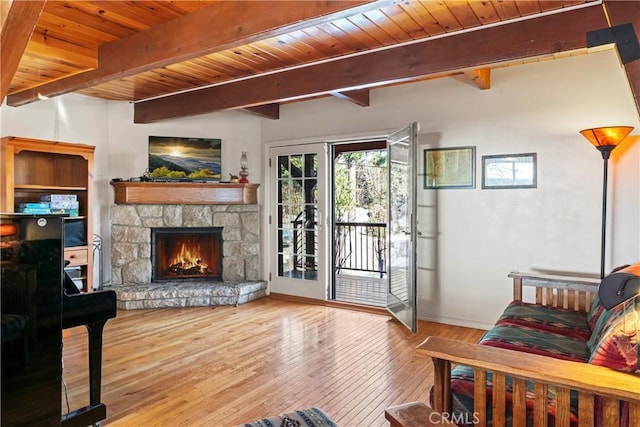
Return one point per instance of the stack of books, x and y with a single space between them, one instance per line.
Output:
65 204
43 208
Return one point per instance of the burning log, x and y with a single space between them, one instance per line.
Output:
188 269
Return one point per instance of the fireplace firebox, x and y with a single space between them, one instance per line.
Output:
186 254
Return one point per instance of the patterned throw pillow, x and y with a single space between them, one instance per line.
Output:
601 326
617 346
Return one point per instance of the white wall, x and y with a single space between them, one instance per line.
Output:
239 132
472 238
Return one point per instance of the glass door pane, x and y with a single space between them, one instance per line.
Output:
297 227
402 291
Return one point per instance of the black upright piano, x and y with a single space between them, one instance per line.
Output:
38 301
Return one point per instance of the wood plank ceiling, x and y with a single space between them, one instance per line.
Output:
179 58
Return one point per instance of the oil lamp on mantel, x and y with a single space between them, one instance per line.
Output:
244 172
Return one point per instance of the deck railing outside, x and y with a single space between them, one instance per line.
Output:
360 246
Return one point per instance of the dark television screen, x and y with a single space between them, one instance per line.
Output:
188 159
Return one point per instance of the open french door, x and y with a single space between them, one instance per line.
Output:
402 290
298 263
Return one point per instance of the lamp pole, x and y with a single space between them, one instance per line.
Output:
605 150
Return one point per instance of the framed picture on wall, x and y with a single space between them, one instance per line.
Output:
185 159
509 171
449 167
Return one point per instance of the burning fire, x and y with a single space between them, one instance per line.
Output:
187 261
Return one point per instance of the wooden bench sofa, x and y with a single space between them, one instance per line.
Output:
552 381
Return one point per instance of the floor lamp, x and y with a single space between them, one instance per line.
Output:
605 139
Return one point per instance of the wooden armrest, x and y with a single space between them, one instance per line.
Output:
415 414
576 375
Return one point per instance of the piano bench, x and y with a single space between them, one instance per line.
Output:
14 327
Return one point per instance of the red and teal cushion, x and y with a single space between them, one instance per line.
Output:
555 320
528 339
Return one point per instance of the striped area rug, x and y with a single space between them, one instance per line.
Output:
311 417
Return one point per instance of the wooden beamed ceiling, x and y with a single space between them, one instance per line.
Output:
517 40
176 59
189 36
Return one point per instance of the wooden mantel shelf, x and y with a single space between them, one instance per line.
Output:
184 193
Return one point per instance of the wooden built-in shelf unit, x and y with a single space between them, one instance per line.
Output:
33 167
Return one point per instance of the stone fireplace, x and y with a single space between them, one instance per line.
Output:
238 226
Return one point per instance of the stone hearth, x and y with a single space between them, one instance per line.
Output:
131 255
181 294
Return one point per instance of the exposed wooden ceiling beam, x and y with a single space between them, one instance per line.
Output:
267 111
16 30
622 12
194 35
523 39
480 76
359 96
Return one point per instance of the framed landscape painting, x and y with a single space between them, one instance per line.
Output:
449 167
184 159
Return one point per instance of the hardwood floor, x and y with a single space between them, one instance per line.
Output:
365 289
224 366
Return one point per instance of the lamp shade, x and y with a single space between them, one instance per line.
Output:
607 136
